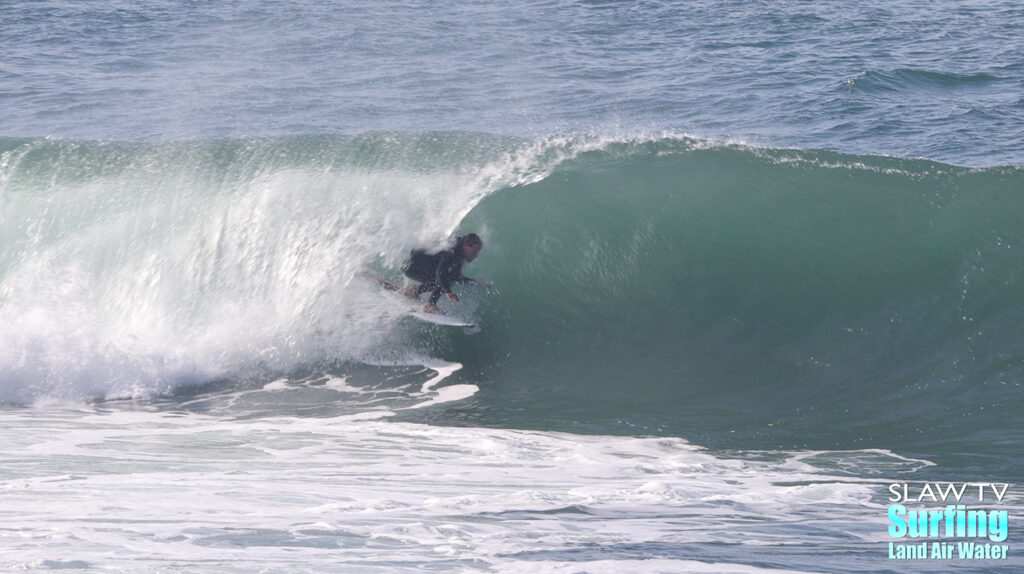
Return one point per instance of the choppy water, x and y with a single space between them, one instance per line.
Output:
722 321
906 79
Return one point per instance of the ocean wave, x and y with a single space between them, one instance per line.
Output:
665 282
911 79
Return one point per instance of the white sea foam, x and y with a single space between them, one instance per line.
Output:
133 491
157 271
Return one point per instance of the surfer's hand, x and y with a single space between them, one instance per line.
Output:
453 296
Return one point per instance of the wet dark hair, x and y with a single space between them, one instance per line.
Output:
471 240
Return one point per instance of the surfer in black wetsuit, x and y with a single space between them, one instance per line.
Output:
437 272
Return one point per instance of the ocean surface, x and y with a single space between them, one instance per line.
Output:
752 264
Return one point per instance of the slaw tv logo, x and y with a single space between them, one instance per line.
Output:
958 529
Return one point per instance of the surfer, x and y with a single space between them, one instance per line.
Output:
437 272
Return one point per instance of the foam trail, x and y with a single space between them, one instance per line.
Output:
237 494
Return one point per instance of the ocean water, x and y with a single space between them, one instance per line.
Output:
752 264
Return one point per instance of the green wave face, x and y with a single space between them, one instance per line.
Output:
779 294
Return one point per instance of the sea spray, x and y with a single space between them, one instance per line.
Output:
131 269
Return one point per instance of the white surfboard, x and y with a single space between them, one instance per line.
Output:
418 312
439 319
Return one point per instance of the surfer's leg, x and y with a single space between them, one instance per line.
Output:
420 275
435 294
425 287
431 307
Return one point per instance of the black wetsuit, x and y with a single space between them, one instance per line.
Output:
437 272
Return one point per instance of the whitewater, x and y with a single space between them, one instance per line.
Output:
752 265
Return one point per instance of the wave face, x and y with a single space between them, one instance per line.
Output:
801 297
660 285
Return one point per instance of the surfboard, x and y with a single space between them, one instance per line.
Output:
417 312
436 319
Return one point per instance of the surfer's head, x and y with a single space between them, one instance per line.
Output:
471 245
